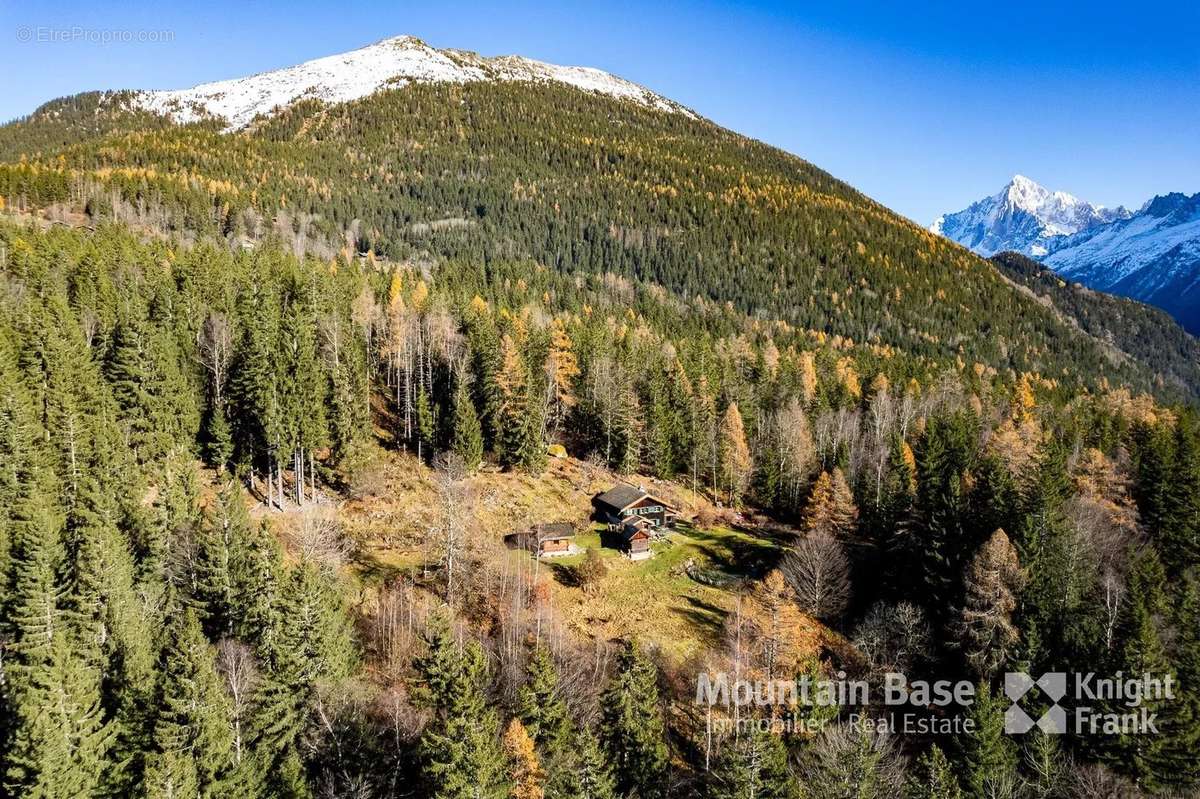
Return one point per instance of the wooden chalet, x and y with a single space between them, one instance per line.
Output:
633 517
633 537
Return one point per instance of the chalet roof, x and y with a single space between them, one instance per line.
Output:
620 496
630 531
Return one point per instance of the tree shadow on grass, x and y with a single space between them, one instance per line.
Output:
708 619
565 575
741 556
374 571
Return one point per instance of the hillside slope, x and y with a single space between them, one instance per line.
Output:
1143 332
574 180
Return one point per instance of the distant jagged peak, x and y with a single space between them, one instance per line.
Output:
1024 216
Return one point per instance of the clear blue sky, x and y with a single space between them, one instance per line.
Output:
926 108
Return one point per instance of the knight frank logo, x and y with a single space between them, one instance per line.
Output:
1052 685
1117 705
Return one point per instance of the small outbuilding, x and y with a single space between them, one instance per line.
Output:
549 540
634 537
555 540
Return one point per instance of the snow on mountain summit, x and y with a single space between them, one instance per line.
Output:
390 63
1152 254
1024 216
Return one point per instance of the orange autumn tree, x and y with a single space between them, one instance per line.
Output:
831 510
526 771
734 454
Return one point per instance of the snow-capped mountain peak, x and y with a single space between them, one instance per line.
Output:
1027 194
390 63
1152 254
1023 216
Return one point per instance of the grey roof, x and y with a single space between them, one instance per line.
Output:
555 530
630 529
620 496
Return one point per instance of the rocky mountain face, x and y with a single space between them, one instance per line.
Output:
1023 217
1151 254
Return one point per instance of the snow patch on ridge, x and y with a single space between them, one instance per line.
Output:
389 63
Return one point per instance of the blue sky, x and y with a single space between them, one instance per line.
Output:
925 107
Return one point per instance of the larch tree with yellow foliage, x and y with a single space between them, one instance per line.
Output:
562 368
512 388
736 465
525 773
830 510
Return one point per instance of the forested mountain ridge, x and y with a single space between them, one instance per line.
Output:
572 180
122 360
272 403
1146 333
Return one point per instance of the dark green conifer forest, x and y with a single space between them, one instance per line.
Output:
210 342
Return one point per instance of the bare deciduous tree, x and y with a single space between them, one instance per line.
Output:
236 664
797 450
893 638
215 347
818 571
846 760
318 537
450 531
1094 781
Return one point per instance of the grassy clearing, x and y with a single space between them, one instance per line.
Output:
655 599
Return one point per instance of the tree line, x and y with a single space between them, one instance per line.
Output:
159 640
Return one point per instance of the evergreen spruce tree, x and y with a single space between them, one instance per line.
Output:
1187 667
426 425
939 531
58 739
754 766
467 436
633 728
1053 591
933 778
460 749
540 705
624 435
512 412
260 585
590 776
532 454
312 643
987 756
223 548
660 430
192 746
218 438
1150 760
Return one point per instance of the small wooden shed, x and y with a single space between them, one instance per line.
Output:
555 540
634 537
